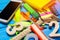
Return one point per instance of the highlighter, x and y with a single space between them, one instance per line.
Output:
31 10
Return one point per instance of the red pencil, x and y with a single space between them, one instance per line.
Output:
38 32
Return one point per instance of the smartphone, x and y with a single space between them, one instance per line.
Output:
9 10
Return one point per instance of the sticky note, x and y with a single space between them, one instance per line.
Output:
17 15
3 4
39 4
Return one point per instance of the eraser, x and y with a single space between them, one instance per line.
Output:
38 32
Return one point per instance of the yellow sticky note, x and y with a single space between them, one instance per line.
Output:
37 4
17 15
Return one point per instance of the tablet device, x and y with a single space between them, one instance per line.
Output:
9 11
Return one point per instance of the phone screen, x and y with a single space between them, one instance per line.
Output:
9 10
